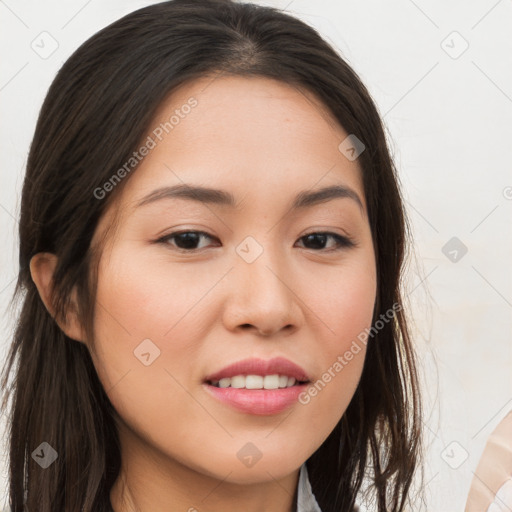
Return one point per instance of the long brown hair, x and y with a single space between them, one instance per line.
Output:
94 116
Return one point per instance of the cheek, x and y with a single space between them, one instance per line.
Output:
151 313
342 302
143 318
343 298
136 309
147 300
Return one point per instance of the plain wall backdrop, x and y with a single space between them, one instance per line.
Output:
441 75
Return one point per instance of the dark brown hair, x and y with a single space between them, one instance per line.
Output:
97 110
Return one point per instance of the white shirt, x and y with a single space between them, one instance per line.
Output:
306 501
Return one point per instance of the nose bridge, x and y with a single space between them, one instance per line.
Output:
261 265
262 294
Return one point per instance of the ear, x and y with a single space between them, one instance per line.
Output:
42 267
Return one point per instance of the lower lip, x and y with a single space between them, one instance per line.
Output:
258 401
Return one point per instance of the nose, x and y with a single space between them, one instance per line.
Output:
261 297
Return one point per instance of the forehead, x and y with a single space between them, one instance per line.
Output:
261 139
249 115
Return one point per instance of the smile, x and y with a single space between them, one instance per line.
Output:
258 386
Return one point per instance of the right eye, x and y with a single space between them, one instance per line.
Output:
184 241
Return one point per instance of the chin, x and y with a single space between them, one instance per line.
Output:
274 467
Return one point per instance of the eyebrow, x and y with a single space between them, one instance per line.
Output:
303 199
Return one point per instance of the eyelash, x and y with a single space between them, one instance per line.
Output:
342 241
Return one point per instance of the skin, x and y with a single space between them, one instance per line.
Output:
264 141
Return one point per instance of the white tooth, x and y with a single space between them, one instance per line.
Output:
253 382
225 382
271 381
238 381
274 381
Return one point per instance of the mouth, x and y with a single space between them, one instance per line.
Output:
258 386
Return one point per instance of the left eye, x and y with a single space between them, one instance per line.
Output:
186 241
320 237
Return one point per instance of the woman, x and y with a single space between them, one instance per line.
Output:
211 246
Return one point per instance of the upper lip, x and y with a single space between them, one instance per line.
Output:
255 366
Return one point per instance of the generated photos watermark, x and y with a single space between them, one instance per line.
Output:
152 140
343 360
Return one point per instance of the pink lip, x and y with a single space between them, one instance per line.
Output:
259 401
263 367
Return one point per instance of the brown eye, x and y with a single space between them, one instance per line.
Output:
318 240
185 240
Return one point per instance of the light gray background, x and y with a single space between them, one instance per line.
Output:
449 117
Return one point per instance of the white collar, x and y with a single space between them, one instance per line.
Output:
306 501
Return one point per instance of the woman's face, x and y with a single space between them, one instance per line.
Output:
246 282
